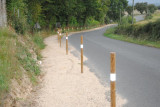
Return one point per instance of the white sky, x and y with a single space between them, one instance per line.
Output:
157 2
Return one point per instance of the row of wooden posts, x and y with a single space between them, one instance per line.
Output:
112 67
77 28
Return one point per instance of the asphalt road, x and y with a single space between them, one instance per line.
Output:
139 17
138 67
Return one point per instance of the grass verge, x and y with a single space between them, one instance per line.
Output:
110 33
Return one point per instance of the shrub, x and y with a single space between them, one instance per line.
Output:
38 40
126 21
149 31
20 25
152 8
90 21
107 20
73 21
148 16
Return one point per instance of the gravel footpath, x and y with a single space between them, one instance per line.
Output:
64 86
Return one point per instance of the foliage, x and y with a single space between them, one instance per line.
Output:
26 60
38 40
152 8
16 56
126 20
115 7
91 22
73 21
110 33
146 30
74 12
34 9
16 10
69 12
149 31
9 68
148 16
129 10
48 12
107 20
154 18
141 7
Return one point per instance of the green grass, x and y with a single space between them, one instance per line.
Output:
16 55
154 18
110 33
27 62
9 68
38 40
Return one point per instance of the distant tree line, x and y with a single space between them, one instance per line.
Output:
143 7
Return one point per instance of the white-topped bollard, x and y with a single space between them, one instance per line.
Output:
81 46
60 38
113 79
66 43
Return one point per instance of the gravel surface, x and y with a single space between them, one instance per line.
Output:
64 86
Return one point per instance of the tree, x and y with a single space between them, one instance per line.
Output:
115 7
34 10
129 10
67 12
133 12
3 14
141 7
152 8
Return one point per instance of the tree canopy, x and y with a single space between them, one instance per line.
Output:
24 14
141 7
115 7
129 10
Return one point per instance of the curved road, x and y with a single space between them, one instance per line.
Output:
139 17
138 67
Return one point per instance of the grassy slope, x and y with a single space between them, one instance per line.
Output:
18 52
110 33
8 63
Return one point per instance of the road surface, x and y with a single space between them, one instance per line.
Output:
139 17
138 67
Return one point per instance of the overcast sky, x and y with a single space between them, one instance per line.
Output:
157 2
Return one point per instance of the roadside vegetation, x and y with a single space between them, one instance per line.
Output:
18 53
144 32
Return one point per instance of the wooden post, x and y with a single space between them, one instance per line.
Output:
60 39
58 36
113 79
81 54
66 43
